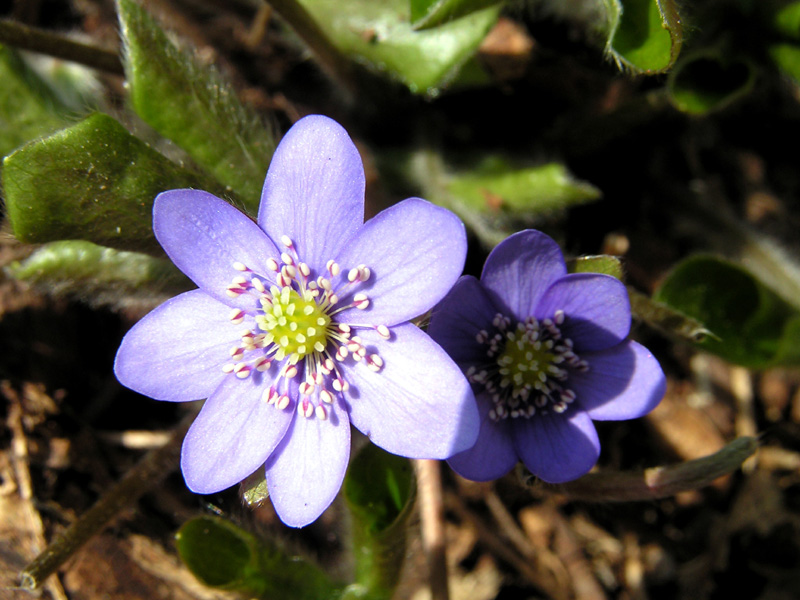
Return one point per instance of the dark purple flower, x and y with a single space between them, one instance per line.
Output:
300 327
546 353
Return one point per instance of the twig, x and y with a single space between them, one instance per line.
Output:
38 40
431 501
148 472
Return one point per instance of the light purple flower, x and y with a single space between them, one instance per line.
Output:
300 327
546 353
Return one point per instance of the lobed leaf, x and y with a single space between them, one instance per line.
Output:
432 13
644 35
192 106
380 36
92 181
708 81
100 275
752 325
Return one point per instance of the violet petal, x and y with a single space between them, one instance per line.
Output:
419 404
415 251
459 317
493 454
314 191
557 447
598 312
204 236
232 436
306 471
623 382
520 269
176 352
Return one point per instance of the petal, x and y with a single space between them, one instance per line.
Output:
314 191
232 436
597 309
176 352
520 269
458 318
557 447
415 251
493 455
419 404
623 382
306 472
204 236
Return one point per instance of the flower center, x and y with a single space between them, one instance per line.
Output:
299 326
295 326
527 367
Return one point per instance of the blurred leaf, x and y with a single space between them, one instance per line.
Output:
225 556
787 58
431 13
495 185
29 108
92 181
786 20
191 105
645 35
379 489
380 36
756 327
603 263
708 81
100 275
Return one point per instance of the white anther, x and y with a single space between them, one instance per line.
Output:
333 268
286 241
287 258
304 269
258 284
383 331
236 316
290 372
282 402
360 301
326 396
374 362
240 266
242 370
352 275
321 413
228 368
305 408
272 264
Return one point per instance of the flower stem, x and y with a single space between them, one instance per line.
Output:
336 64
38 40
431 500
147 473
658 482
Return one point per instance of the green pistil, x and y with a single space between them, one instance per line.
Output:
296 324
526 364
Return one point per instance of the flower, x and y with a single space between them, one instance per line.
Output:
300 327
546 353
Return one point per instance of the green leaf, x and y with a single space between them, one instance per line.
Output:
755 327
29 108
786 20
645 35
495 185
93 181
431 13
709 80
602 263
379 489
100 275
379 35
666 319
225 556
191 105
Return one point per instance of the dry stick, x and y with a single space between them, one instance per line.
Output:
431 500
658 482
335 64
38 40
148 472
